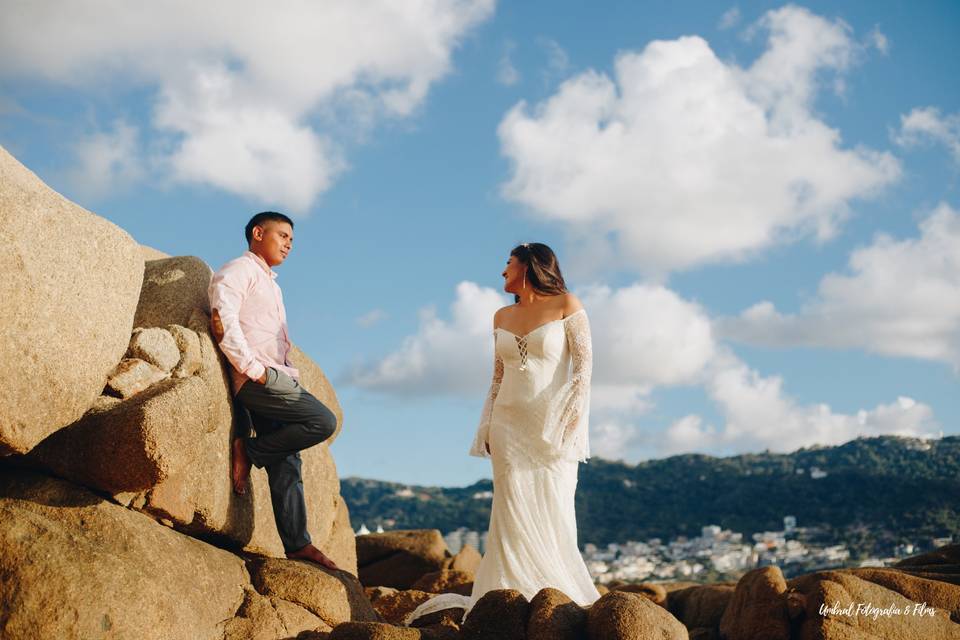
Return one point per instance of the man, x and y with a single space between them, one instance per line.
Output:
250 325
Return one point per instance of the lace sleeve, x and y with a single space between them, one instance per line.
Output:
482 438
568 419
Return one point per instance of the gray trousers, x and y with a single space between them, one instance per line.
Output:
287 420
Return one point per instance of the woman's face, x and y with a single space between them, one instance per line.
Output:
513 275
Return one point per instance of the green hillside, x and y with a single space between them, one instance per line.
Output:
876 492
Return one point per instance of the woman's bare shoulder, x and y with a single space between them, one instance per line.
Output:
571 304
501 314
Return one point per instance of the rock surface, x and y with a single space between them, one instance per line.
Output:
701 605
155 345
399 558
70 288
619 615
131 445
758 607
76 566
500 614
899 618
554 616
332 596
445 581
132 376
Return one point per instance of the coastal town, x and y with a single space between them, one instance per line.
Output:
716 554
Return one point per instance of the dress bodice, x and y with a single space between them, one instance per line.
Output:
539 396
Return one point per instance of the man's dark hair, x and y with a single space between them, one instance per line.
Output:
262 217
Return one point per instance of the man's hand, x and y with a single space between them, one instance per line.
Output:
216 326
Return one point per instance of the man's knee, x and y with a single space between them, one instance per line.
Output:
324 423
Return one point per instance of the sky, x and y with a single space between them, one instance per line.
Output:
756 202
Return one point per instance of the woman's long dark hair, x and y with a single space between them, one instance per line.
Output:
543 268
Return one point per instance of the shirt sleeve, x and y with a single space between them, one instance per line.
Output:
228 290
482 437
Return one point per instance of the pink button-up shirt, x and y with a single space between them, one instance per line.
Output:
248 299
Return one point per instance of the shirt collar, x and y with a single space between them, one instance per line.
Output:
260 261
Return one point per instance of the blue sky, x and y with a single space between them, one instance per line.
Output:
758 203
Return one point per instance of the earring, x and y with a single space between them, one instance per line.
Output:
524 280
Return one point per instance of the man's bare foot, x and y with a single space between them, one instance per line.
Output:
313 554
240 467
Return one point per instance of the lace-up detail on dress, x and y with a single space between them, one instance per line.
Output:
522 348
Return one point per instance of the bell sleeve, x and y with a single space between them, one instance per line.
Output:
482 437
568 418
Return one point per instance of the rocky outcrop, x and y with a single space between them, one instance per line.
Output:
467 559
395 605
446 581
833 606
500 614
619 615
75 565
69 290
758 607
700 606
399 558
332 596
554 616
165 449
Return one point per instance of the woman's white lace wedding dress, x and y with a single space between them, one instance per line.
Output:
535 421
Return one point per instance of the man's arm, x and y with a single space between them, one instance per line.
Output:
228 289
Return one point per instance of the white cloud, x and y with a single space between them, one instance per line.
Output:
758 414
683 159
900 298
507 73
244 89
927 124
372 318
444 356
643 336
107 160
879 40
730 18
558 62
646 335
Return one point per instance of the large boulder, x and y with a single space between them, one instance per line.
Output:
758 608
73 565
700 606
70 286
500 614
840 605
467 559
446 581
394 606
554 616
332 596
132 445
263 617
620 615
399 558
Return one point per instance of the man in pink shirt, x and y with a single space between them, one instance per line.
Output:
250 324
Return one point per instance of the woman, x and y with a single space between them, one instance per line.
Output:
534 429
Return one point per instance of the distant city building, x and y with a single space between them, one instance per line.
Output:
710 531
789 524
816 473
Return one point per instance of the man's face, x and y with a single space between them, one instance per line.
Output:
272 241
